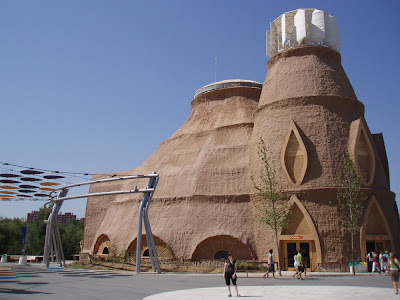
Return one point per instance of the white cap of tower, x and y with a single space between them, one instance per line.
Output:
302 27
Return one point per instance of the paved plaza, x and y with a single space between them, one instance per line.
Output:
35 282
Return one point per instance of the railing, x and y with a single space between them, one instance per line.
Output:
289 263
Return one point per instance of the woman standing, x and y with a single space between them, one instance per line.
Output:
375 264
393 263
230 274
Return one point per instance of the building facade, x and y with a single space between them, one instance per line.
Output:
61 218
310 119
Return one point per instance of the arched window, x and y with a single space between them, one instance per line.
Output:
221 254
105 250
294 158
216 246
163 250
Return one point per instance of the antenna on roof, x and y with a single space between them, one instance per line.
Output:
215 68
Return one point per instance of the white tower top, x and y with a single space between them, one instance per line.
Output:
302 27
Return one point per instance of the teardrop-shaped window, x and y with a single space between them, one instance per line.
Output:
294 156
361 151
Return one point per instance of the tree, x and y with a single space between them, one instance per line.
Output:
10 236
350 199
36 231
71 235
272 205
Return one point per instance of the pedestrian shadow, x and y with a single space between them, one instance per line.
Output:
33 283
313 278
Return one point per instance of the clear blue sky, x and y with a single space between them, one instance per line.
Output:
96 86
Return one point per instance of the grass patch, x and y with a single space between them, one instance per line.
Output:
145 266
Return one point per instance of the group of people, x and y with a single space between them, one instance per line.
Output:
378 262
385 262
231 276
300 264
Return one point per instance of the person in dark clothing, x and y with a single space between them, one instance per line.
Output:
230 274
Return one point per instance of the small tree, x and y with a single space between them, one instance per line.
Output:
350 199
273 208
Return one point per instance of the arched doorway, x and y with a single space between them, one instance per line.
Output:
375 231
102 246
217 247
163 251
300 234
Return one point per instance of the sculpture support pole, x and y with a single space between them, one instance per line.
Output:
52 230
139 237
143 218
152 247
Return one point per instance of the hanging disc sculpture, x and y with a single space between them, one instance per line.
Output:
21 183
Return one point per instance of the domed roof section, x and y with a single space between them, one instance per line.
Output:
230 83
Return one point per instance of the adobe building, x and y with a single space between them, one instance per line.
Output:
309 117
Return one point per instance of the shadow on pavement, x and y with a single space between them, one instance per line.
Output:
20 291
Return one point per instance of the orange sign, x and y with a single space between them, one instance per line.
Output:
377 237
296 237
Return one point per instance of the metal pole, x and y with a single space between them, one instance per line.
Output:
150 242
147 190
59 243
150 245
55 246
50 226
146 219
139 235
47 242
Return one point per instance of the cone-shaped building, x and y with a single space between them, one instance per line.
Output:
309 117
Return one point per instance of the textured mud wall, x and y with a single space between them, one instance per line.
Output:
204 180
205 167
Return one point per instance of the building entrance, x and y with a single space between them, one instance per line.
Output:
289 248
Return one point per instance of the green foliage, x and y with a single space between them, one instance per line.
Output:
350 198
272 205
10 236
11 230
243 266
71 235
349 195
36 231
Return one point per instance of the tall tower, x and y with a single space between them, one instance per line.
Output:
310 119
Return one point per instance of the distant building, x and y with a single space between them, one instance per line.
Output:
65 218
61 218
33 216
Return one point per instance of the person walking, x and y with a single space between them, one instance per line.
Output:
300 264
393 266
271 265
375 264
370 261
385 265
295 263
230 274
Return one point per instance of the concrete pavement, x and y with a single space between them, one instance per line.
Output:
281 292
23 281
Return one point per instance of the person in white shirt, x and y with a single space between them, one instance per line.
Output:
271 265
